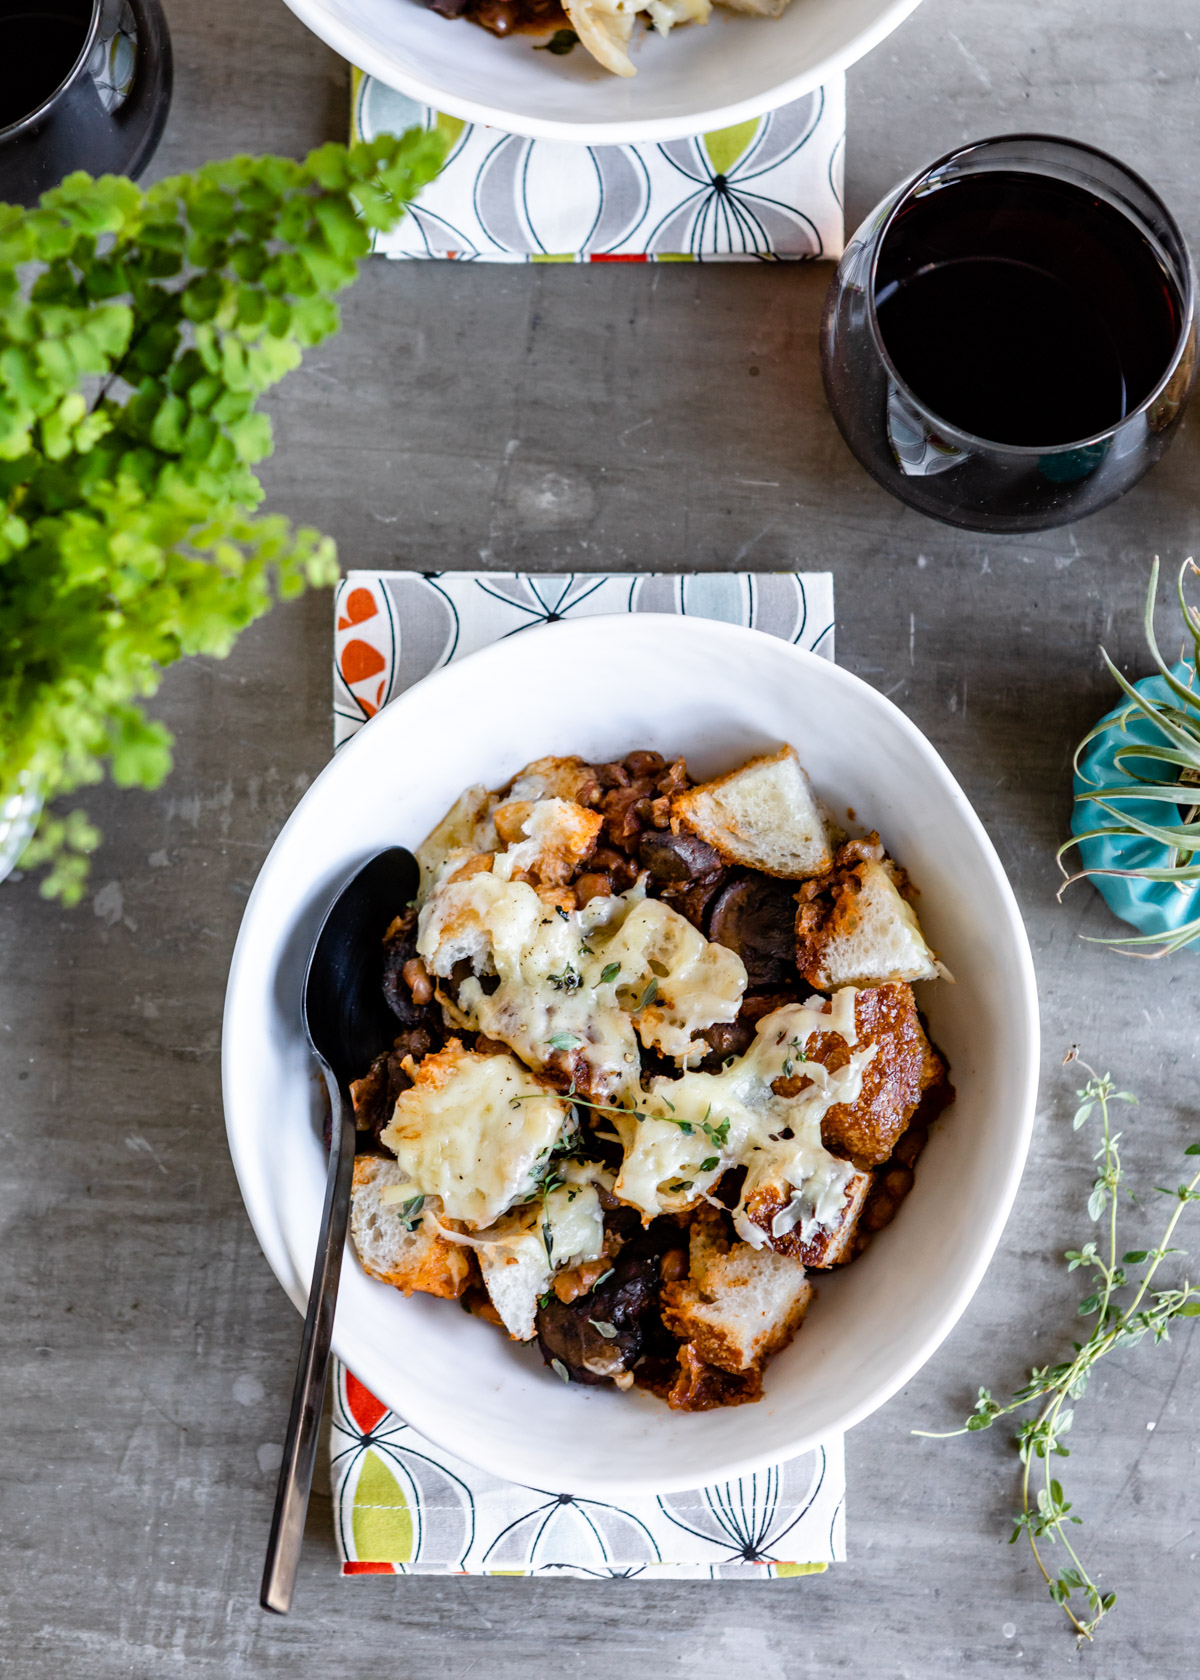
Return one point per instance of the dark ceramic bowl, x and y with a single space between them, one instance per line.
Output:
107 113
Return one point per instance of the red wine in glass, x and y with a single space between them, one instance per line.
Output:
1009 343
40 44
84 84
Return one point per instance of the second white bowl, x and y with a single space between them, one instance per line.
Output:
694 81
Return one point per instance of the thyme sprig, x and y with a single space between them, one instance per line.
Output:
1046 1514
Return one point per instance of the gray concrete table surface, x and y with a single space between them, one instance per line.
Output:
554 418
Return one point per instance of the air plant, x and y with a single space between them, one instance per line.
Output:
1164 769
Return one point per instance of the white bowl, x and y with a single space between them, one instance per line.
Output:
716 693
694 81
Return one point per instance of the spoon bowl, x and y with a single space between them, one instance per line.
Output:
346 1016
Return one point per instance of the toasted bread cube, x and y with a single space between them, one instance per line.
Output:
515 1274
555 778
416 1259
738 1305
856 929
903 1068
518 1267
695 982
464 830
559 835
807 1242
764 816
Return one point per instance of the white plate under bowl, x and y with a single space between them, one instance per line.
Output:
717 693
693 81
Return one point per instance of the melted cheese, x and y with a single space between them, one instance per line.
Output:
666 1151
545 967
573 1224
664 14
559 833
565 1228
549 997
466 828
474 1131
696 984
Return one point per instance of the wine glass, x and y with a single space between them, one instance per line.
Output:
1009 340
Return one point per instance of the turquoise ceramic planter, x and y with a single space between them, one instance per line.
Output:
1157 907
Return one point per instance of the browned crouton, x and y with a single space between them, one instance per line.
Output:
547 839
415 1259
854 927
700 1387
763 815
738 1305
904 1066
824 1245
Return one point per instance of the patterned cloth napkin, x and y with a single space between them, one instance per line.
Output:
769 188
401 1504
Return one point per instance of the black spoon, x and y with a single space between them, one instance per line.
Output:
348 1024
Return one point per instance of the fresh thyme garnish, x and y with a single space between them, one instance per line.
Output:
564 1041
603 1278
409 1213
1045 1514
548 1241
560 1370
716 1134
713 1161
677 1186
568 981
545 1300
647 997
799 1054
609 973
608 1331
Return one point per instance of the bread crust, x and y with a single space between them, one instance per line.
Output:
705 810
903 1068
418 1261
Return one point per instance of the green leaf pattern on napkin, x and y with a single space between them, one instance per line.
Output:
403 1505
768 188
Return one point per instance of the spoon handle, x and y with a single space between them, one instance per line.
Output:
300 1447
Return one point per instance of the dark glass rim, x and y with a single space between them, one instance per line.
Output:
1186 280
42 110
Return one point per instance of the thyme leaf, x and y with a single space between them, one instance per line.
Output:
409 1213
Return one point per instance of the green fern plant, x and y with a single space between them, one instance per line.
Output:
137 332
1163 769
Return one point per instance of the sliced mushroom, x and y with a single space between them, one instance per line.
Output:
601 1335
673 859
755 916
